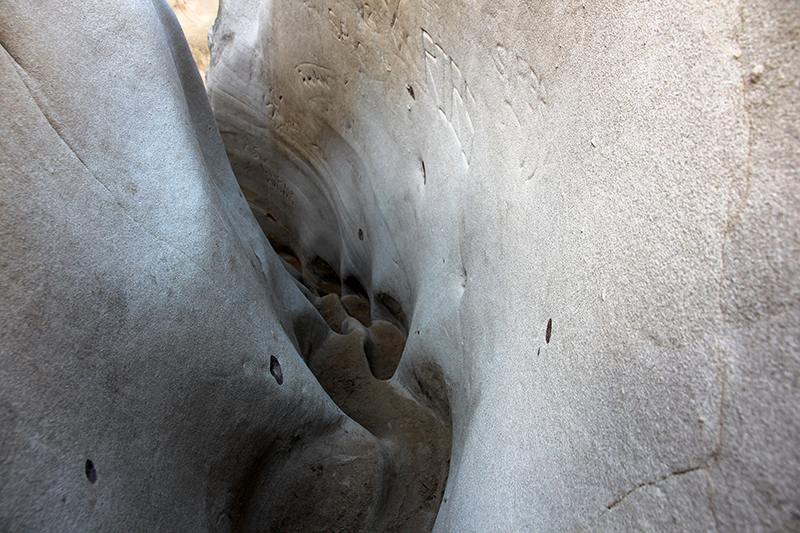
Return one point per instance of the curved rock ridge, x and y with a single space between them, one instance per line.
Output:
587 217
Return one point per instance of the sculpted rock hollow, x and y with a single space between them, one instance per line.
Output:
488 266
588 216
151 376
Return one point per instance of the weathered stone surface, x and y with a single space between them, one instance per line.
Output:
577 224
149 360
589 217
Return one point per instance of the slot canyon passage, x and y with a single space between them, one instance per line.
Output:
401 265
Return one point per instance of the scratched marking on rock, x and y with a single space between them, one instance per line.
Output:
450 91
526 95
357 25
280 185
316 79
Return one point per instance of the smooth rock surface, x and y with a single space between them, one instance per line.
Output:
588 216
532 267
150 358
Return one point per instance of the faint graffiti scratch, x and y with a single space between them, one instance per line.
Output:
316 79
450 91
526 96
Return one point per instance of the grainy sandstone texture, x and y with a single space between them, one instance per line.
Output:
532 266
151 370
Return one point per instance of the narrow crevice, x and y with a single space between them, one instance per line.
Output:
355 364
622 497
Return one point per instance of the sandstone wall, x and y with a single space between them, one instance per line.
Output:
150 369
532 267
589 216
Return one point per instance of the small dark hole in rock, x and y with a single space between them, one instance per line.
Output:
538 351
548 331
360 235
410 90
91 472
275 369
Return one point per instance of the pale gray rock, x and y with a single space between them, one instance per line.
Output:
567 233
588 215
150 368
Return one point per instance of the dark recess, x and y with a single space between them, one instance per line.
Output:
355 287
275 369
91 472
324 275
389 309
